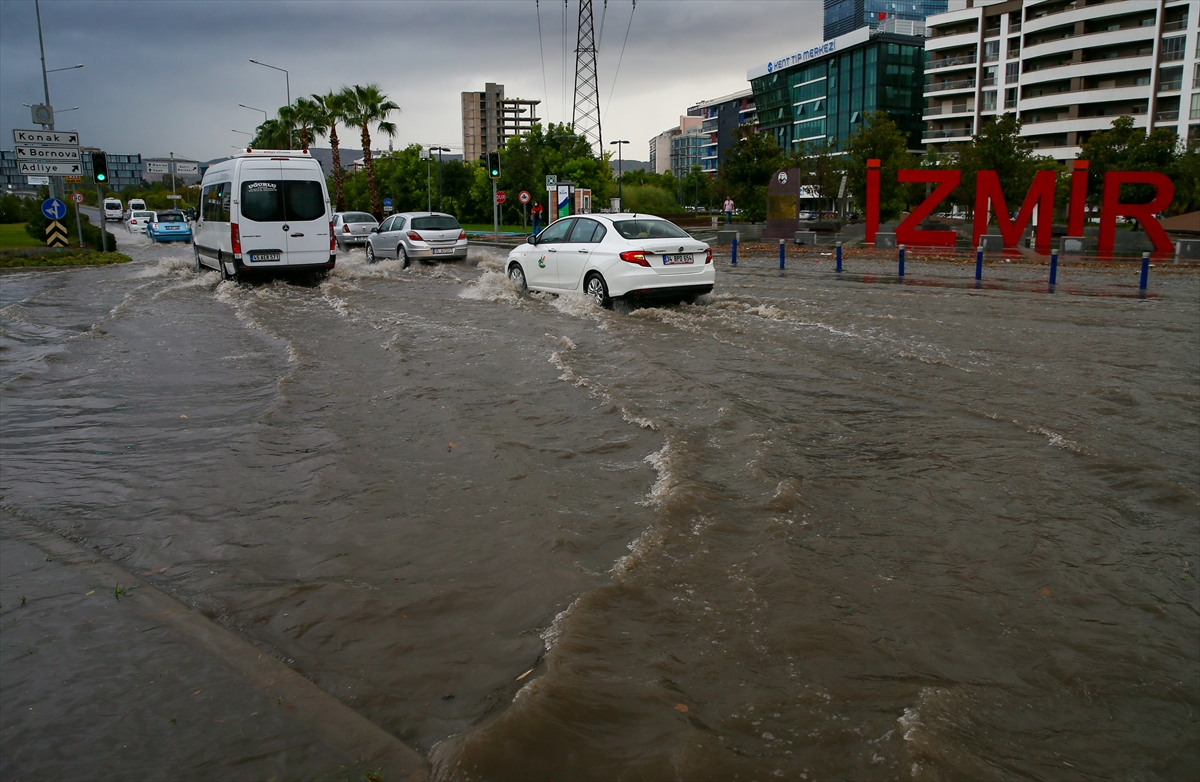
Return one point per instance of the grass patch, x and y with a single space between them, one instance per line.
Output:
67 257
503 229
13 235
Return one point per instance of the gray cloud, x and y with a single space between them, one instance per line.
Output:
168 76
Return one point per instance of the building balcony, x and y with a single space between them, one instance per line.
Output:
946 133
950 62
1178 24
1171 115
957 108
947 86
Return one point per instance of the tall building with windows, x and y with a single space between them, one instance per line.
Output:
823 94
844 16
719 118
1067 68
489 119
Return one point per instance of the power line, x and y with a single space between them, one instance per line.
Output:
545 91
622 57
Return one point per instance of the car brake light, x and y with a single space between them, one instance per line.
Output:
708 255
635 256
416 237
332 240
235 238
462 234
345 228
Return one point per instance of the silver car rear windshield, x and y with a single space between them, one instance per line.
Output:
357 217
649 229
435 223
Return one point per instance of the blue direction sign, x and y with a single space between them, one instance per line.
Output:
387 202
54 209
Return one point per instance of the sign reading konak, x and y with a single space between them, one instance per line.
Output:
990 200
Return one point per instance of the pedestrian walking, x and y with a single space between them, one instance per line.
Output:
728 209
536 213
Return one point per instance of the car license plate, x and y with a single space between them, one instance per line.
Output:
442 250
172 228
264 256
673 260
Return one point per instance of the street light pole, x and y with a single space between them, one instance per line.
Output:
440 150
620 170
287 78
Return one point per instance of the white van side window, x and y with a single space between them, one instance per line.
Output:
215 203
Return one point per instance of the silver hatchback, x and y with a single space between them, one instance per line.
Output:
351 228
426 236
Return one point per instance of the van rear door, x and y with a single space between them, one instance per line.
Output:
261 214
307 213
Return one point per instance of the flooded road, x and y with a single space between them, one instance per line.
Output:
808 528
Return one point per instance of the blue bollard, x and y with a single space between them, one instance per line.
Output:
901 260
839 257
1145 272
1053 267
734 261
979 263
781 246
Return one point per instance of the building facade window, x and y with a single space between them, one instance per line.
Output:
1172 49
1010 98
1012 72
989 100
1170 79
991 51
1195 112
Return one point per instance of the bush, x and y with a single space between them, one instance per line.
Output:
649 199
35 226
12 209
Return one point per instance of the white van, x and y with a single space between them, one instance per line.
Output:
264 210
113 209
134 205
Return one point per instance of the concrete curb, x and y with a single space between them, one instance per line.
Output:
316 711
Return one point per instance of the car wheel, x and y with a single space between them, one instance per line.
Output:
370 253
517 275
596 290
402 255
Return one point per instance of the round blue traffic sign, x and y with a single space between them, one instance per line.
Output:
387 202
54 209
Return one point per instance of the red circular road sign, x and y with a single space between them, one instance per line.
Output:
524 196
77 198
501 197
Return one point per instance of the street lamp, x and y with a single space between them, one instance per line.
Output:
252 108
620 169
439 150
68 68
288 82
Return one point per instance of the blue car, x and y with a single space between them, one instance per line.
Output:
169 226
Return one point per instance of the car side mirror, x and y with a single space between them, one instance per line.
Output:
374 230
533 239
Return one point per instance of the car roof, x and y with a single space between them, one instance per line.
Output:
423 214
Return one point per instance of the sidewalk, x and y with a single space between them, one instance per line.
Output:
102 684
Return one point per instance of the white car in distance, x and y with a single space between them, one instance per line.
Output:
138 221
612 256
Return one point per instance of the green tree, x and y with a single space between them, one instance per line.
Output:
998 147
273 134
747 169
1127 148
879 138
822 169
1186 177
332 111
310 115
366 106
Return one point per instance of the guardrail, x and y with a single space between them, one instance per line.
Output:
945 86
947 133
947 62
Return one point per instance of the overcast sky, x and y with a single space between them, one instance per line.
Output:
168 75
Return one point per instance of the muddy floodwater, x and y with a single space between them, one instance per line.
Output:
808 528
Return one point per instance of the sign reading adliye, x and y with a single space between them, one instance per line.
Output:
990 199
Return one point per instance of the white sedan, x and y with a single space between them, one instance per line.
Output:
609 256
139 220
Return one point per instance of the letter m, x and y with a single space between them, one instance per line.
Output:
1041 196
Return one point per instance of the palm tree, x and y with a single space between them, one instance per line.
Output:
364 106
273 134
310 116
332 106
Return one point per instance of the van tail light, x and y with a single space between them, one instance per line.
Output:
416 237
235 238
708 255
462 235
332 240
345 228
635 256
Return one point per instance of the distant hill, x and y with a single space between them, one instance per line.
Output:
629 165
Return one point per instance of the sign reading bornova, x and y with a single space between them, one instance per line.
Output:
861 35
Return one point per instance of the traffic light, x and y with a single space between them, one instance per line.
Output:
493 164
100 167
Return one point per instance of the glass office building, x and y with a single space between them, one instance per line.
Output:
844 16
825 93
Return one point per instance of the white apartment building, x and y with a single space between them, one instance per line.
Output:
1067 68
